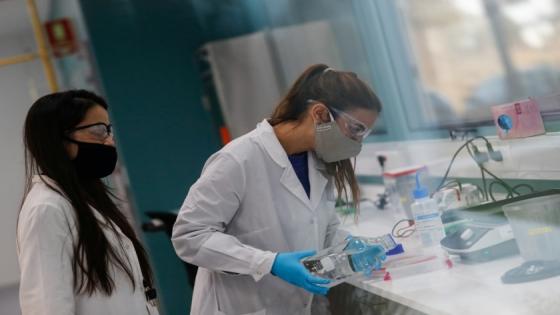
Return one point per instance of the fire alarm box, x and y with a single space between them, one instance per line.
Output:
62 38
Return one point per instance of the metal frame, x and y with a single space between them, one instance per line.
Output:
43 51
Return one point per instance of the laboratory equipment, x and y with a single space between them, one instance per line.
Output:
429 228
536 226
411 264
479 241
387 241
491 235
519 119
399 184
349 259
459 196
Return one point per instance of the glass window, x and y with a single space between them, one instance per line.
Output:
470 55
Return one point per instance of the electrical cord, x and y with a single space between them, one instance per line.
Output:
484 184
452 182
403 232
531 188
480 158
491 190
455 156
488 190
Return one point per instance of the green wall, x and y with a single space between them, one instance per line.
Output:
144 52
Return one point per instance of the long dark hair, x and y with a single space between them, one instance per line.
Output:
47 123
340 90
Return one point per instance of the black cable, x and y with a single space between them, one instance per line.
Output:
508 188
451 183
486 189
531 188
484 185
489 191
455 156
492 184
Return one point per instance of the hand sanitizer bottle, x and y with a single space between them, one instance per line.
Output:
427 219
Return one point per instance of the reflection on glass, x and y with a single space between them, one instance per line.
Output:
470 55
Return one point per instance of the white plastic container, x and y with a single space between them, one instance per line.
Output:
399 184
427 218
536 226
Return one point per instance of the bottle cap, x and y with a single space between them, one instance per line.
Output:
419 192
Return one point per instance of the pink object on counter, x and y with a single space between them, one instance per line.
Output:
518 119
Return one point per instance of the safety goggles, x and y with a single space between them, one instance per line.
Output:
356 128
99 130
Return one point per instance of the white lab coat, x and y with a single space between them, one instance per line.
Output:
247 206
46 234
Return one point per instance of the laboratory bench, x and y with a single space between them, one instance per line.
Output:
465 288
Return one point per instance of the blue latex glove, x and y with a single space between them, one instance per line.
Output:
287 266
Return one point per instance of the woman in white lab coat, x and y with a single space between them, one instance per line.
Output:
77 252
265 200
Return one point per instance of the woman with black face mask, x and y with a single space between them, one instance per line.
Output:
78 253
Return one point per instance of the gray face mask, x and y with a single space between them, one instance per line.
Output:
331 145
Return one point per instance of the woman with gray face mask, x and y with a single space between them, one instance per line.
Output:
265 200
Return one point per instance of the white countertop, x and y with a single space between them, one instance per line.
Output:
463 289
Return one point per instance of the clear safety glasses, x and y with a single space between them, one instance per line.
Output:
356 128
100 130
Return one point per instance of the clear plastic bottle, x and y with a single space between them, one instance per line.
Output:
427 219
345 260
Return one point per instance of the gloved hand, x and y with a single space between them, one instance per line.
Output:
287 266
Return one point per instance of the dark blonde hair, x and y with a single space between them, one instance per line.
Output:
339 90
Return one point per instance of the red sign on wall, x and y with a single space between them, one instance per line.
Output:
61 36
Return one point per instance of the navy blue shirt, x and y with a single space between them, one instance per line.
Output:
299 163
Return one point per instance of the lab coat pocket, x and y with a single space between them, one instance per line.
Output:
237 295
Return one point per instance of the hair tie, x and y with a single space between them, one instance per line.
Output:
327 70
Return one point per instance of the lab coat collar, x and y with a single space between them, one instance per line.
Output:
272 144
45 179
276 151
317 179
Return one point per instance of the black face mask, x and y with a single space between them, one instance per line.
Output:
94 160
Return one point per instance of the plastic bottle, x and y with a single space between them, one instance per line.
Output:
427 219
345 260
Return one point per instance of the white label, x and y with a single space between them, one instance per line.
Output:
426 217
327 264
427 225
